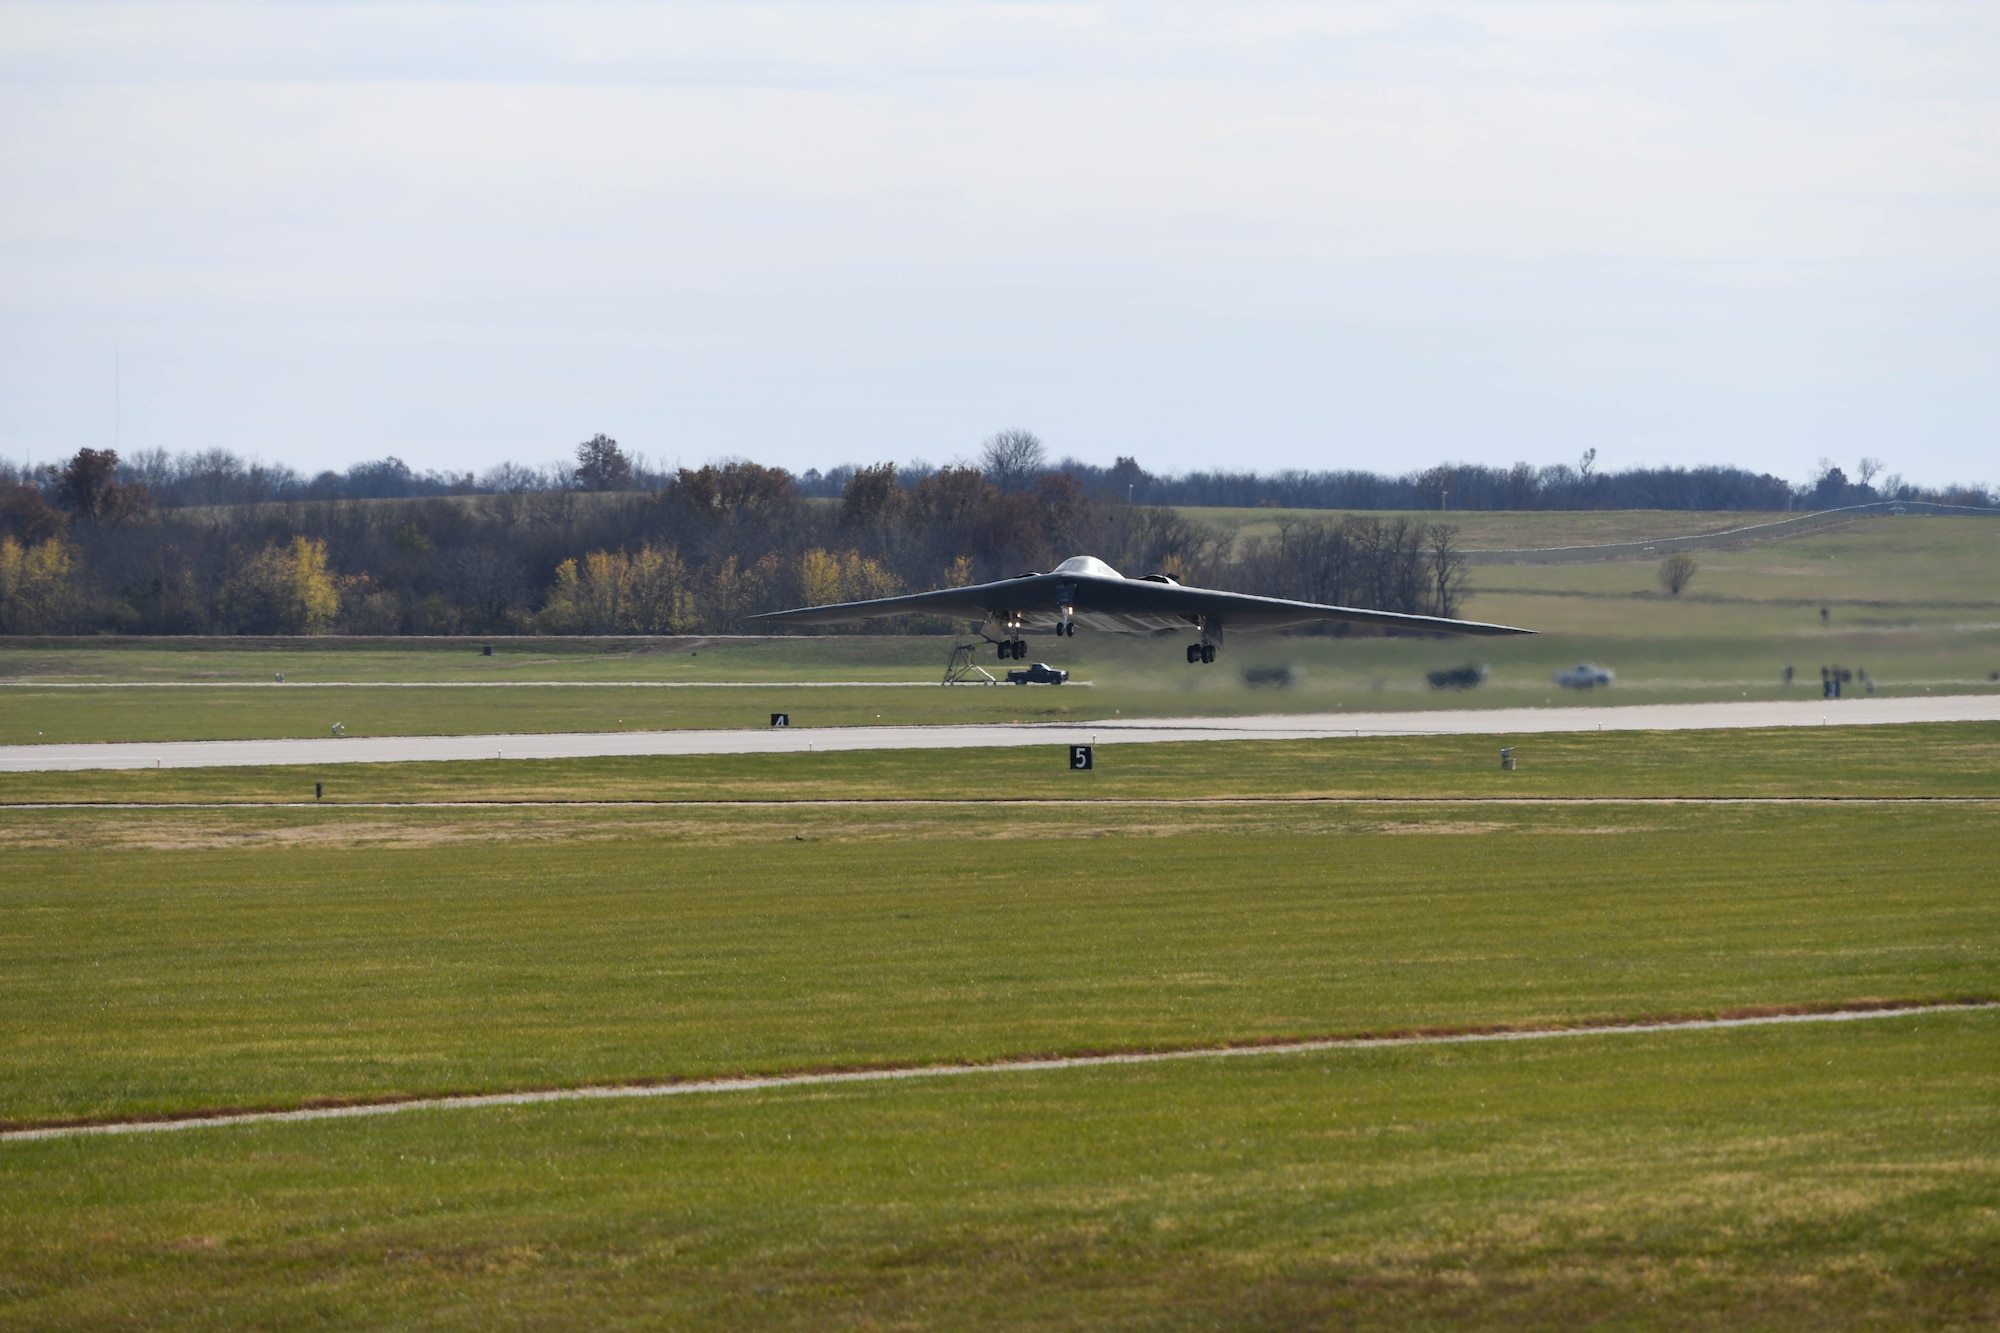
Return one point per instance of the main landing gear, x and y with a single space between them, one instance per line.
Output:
1200 652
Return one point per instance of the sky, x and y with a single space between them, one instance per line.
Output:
1244 236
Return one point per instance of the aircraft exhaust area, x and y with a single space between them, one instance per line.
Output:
800 740
1741 1018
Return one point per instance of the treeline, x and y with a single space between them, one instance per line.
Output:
1013 459
1558 486
218 477
91 550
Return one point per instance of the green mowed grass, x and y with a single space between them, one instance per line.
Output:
162 960
46 717
1814 1174
1501 529
1810 1176
256 661
1919 760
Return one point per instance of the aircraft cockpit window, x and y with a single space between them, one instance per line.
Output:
1089 565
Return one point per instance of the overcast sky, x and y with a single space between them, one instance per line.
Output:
1284 235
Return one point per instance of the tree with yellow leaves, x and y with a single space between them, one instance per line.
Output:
36 594
611 592
284 590
843 576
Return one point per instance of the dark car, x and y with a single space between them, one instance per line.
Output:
1037 673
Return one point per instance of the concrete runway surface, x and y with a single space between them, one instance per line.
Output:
1499 722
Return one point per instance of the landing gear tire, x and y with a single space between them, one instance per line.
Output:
1020 650
1194 653
1208 652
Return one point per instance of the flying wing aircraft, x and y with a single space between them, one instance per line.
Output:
1083 590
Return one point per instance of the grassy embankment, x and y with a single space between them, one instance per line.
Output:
158 960
1915 602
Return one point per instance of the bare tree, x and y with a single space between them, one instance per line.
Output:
1676 572
1868 469
1448 576
1011 459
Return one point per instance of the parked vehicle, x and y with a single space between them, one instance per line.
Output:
1037 673
1584 676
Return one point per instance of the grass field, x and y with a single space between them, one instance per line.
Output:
1773 1179
187 939
1912 602
167 960
159 960
1504 529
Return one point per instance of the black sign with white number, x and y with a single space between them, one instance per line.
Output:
1079 757
781 719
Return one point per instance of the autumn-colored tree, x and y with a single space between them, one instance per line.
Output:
36 592
562 609
283 590
843 576
88 487
733 489
611 592
660 601
27 517
873 501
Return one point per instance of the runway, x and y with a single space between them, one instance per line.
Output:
1497 722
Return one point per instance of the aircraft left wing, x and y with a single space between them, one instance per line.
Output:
977 602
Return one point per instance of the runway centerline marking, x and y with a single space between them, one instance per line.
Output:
1030 1064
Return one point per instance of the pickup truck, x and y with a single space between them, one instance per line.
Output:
1037 673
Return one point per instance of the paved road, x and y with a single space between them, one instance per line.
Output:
1499 722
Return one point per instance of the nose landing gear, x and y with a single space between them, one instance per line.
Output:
1200 652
